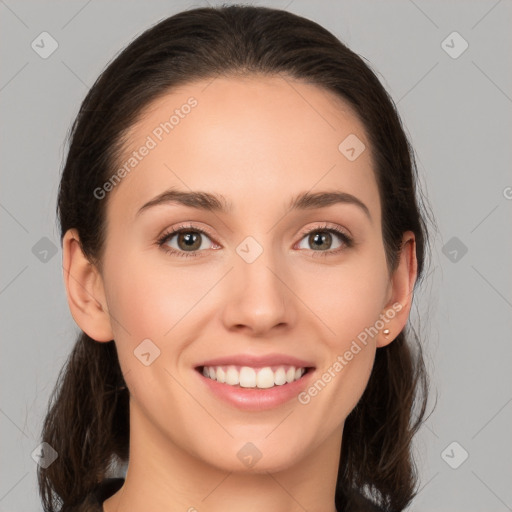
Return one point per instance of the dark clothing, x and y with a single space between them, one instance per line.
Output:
109 486
106 489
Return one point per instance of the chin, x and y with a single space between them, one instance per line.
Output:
256 456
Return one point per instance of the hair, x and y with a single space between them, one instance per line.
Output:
87 421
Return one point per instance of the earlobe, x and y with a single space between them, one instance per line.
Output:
84 290
402 286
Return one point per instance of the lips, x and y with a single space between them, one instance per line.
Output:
254 361
255 371
256 383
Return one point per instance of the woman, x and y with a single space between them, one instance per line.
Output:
241 241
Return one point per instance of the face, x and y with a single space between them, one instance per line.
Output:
250 284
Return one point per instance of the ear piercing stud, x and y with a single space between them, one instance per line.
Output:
386 332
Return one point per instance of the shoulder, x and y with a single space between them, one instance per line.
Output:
93 502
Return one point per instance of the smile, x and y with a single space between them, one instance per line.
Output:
249 377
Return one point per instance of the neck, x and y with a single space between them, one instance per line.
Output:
162 476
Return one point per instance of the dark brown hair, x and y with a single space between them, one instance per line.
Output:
87 421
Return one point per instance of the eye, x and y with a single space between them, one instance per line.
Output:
189 241
322 238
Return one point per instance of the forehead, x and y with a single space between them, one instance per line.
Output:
251 137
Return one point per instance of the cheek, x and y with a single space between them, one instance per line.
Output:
347 299
148 300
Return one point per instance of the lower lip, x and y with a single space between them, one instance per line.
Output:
256 399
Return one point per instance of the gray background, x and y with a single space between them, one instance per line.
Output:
457 112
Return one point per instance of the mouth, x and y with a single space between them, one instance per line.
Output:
253 382
249 377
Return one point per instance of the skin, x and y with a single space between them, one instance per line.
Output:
258 141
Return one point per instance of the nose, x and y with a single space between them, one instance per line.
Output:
257 298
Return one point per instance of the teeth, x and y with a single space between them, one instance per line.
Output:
248 377
280 377
232 376
265 378
221 375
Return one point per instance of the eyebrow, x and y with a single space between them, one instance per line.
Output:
208 201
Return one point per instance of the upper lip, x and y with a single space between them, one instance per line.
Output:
258 361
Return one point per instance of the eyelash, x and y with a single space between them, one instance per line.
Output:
347 241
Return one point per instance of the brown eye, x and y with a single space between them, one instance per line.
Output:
185 242
189 240
321 240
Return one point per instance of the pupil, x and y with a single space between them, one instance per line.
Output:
190 239
321 238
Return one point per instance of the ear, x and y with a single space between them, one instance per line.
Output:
84 289
400 295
